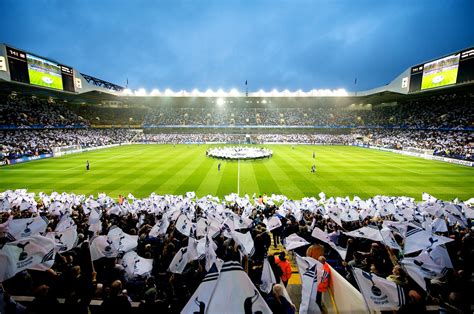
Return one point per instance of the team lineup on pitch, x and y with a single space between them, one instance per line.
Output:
177 169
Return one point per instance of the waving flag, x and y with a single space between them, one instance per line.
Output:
294 241
26 227
159 228
418 239
65 240
389 239
64 223
268 277
421 267
179 262
235 293
25 253
184 225
200 299
311 272
323 236
439 254
103 246
379 293
123 241
370 232
245 241
273 223
136 265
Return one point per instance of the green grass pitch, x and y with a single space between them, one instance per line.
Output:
165 169
36 78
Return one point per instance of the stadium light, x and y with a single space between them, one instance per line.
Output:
235 93
140 92
155 92
220 102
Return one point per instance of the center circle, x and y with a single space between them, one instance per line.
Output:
239 152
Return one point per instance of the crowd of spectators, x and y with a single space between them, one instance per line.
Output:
75 279
22 111
449 111
28 142
453 144
437 112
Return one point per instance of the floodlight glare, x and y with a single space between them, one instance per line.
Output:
220 102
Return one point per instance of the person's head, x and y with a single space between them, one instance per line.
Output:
282 256
278 290
150 281
116 288
397 270
322 259
76 271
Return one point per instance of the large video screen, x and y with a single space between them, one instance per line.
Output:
44 73
440 72
30 69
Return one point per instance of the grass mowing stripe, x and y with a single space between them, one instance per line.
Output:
342 170
265 182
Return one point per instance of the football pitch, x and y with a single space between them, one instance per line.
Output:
168 169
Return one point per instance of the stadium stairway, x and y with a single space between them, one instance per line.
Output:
294 284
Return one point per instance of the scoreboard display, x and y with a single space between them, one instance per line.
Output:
457 68
30 69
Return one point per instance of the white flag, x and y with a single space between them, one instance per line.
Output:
245 241
26 227
379 293
421 267
323 236
294 241
310 272
418 239
235 293
369 232
136 265
123 241
64 240
200 299
273 223
64 223
268 277
184 225
179 262
103 246
23 254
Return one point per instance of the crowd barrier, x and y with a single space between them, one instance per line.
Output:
24 159
87 149
420 155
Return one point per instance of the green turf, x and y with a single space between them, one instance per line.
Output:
142 169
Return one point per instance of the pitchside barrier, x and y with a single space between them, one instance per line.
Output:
24 159
61 151
420 155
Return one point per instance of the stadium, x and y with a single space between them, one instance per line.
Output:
116 200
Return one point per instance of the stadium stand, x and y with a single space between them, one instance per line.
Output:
156 281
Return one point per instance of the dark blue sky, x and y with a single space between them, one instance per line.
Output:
219 44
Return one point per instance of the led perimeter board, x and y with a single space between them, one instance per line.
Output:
457 68
30 69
